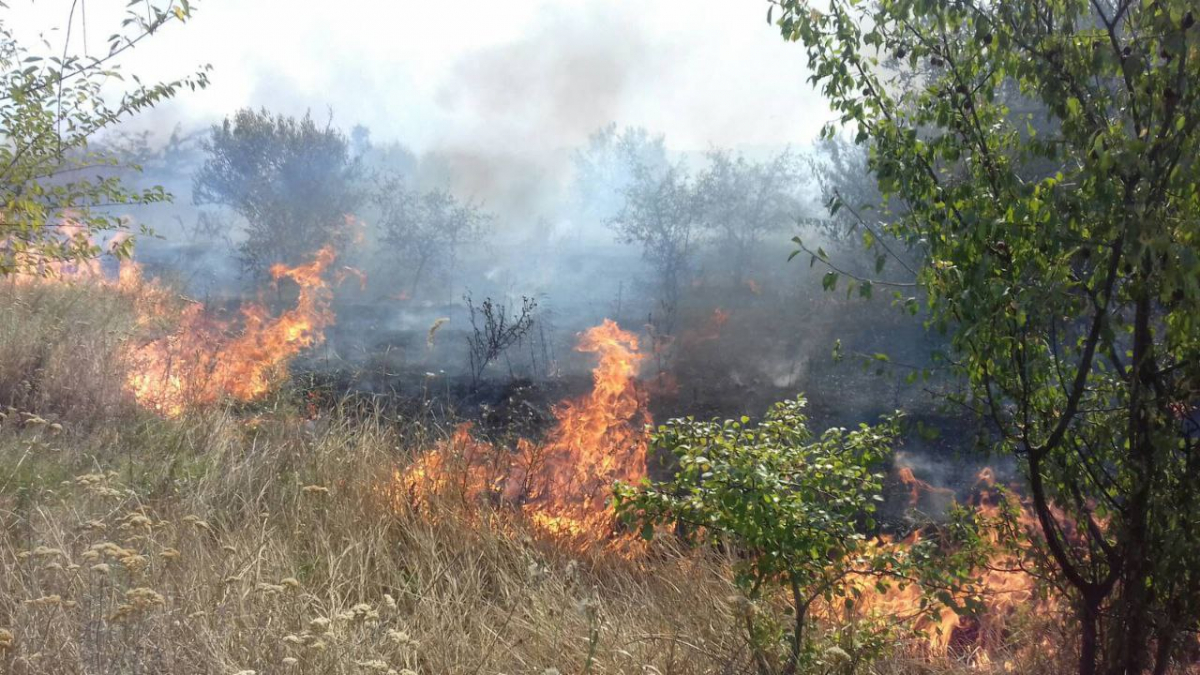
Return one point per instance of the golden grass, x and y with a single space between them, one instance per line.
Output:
227 543
59 348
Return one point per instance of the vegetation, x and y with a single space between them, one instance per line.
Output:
1063 264
663 212
746 202
1033 191
793 509
293 183
733 203
494 329
55 191
425 230
264 539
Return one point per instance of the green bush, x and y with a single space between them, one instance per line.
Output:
792 508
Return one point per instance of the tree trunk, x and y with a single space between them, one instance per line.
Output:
1089 635
1162 656
800 609
1129 636
412 289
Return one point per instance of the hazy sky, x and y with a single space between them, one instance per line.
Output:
514 75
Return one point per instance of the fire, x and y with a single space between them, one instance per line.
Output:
599 439
917 488
203 359
1005 585
562 483
199 364
38 266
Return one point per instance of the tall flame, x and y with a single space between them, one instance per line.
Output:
198 363
564 482
599 439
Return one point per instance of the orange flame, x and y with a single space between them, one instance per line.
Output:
1006 586
599 439
198 363
563 483
38 265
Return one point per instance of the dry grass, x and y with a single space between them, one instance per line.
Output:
58 349
283 549
222 543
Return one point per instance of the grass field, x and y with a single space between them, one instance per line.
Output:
259 540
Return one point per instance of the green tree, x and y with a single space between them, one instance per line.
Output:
664 212
57 189
793 507
292 181
744 201
427 230
1072 295
605 168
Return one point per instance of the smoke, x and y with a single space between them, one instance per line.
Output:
491 101
522 105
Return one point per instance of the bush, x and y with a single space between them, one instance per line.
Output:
793 507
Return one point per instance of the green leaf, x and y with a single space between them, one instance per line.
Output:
829 281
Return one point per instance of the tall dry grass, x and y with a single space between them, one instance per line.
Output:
214 546
60 348
236 542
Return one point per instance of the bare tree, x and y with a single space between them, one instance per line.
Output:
493 330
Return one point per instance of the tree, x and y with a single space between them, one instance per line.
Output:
745 201
494 330
1072 297
840 168
293 182
426 229
605 169
664 212
794 508
55 192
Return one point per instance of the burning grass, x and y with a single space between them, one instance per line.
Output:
216 544
562 484
204 359
222 542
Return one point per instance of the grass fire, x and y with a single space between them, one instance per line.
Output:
544 338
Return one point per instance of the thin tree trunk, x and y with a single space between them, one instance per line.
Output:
1130 632
800 609
1089 635
1162 656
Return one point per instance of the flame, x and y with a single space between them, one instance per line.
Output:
598 440
562 484
204 359
1006 586
38 266
199 363
917 488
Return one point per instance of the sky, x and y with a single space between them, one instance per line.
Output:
514 76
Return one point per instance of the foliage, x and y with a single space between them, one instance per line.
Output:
794 508
1063 259
604 169
746 201
426 229
293 182
55 193
664 212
